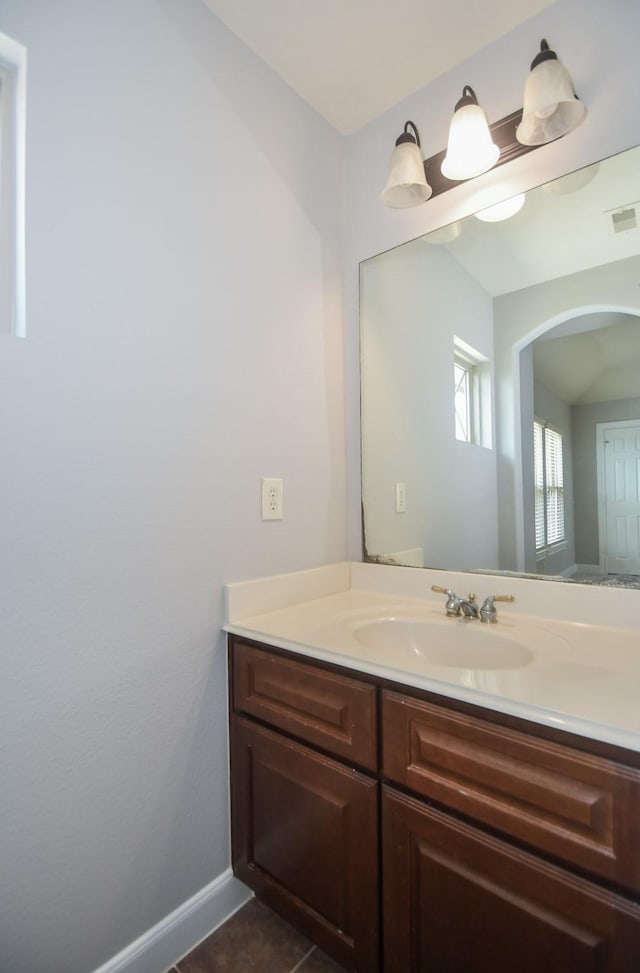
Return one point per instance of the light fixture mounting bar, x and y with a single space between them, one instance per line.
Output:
503 134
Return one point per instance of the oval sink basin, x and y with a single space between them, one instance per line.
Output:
454 643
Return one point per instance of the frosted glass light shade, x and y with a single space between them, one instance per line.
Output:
470 149
406 184
551 108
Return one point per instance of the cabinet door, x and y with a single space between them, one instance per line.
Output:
304 836
459 901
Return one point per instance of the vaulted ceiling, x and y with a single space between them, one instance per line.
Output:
351 60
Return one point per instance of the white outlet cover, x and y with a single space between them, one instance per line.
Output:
272 498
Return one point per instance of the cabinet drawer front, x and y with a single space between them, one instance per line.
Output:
458 899
324 708
583 809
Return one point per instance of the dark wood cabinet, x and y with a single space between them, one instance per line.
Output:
458 900
580 808
487 844
305 829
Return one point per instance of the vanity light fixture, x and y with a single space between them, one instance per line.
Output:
551 107
470 149
407 183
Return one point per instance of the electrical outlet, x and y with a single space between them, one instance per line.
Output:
401 498
272 498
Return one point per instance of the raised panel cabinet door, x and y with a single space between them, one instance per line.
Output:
305 838
457 900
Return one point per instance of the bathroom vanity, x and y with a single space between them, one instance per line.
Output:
431 821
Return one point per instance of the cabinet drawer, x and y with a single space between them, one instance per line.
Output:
583 809
324 708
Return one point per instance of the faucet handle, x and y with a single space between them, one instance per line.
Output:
488 612
454 603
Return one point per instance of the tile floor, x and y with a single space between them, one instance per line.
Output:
256 939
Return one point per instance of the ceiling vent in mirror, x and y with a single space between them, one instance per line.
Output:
624 219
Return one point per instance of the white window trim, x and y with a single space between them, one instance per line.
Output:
13 102
479 390
468 367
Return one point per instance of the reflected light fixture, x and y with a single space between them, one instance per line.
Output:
551 108
470 149
573 182
407 183
444 234
502 211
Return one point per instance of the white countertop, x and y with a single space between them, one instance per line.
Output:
583 677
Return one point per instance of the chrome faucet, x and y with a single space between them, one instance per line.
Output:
469 607
456 606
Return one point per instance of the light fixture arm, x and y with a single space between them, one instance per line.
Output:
469 97
406 135
544 54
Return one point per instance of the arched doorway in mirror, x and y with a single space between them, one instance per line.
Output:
579 397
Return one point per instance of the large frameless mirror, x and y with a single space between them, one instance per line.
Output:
501 387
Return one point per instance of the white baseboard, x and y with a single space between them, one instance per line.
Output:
177 934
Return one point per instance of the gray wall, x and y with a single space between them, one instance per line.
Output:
413 301
183 339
